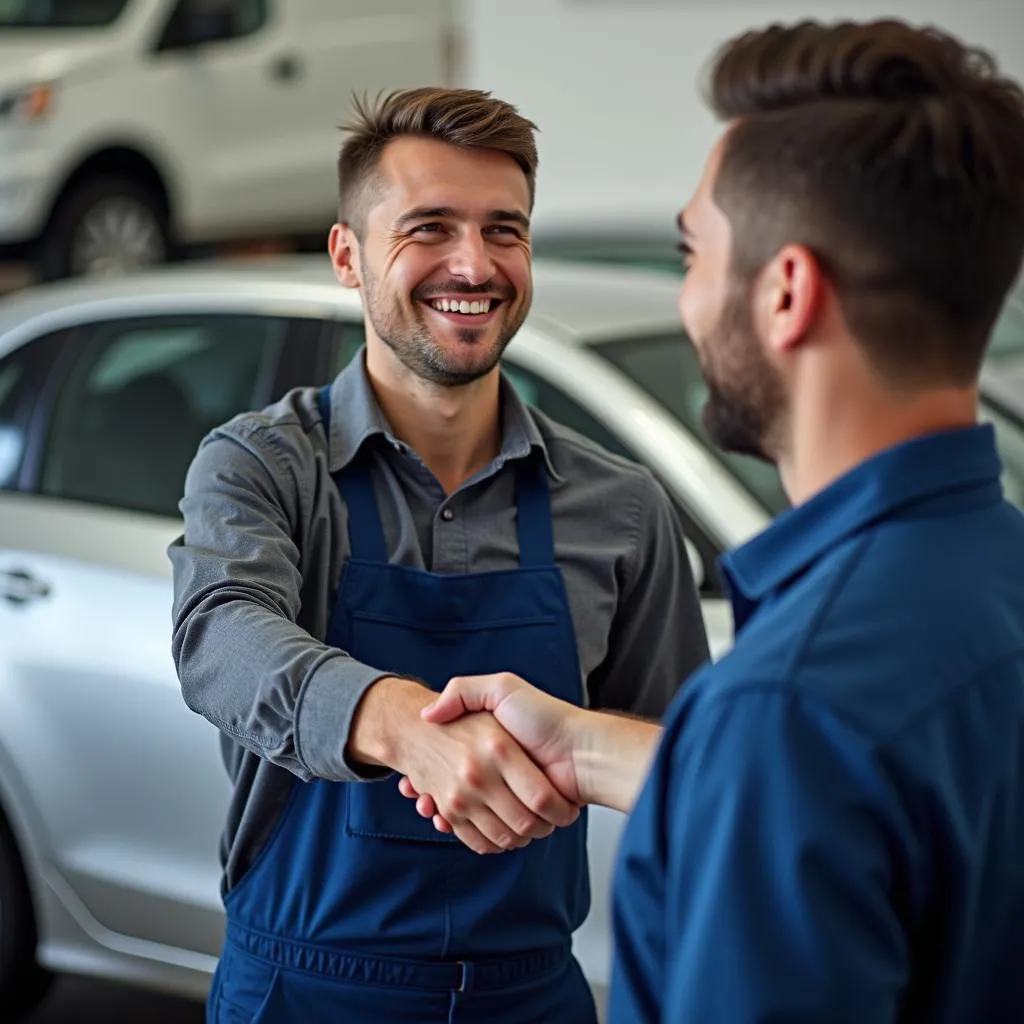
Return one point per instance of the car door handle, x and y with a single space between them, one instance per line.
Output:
21 587
286 68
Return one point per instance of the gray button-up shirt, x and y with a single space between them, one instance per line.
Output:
266 539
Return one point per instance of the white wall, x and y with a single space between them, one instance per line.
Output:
613 84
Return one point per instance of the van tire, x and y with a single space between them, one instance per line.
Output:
23 984
139 221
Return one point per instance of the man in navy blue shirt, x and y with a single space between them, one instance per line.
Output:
832 828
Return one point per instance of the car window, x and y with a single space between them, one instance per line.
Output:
13 371
22 374
554 402
666 367
140 396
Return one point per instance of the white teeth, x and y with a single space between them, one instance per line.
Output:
455 306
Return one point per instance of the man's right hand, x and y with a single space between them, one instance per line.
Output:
539 723
591 756
494 797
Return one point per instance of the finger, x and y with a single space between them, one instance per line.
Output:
468 811
501 816
406 788
465 694
442 824
535 794
497 830
471 836
425 806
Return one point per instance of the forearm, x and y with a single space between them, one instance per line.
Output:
269 685
612 754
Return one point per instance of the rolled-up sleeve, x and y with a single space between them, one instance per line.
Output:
243 661
657 638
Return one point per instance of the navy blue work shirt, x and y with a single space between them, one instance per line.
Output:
833 828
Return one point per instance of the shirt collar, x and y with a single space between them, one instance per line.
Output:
356 416
925 467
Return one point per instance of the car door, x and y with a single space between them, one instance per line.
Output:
244 99
126 783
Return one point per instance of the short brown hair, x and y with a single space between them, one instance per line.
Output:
467 118
895 154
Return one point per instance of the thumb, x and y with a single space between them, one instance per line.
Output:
464 695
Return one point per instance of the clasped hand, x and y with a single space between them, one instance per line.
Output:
505 774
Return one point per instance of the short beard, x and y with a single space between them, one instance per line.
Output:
746 403
414 345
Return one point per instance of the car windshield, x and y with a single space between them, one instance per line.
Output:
59 13
666 368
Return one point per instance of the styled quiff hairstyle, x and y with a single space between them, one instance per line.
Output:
896 155
468 118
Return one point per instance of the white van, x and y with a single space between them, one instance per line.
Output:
130 129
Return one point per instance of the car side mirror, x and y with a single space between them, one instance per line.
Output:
696 564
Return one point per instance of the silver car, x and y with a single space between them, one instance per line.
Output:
112 793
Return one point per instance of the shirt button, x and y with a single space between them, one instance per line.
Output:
447 515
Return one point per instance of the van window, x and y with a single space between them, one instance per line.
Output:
60 13
212 21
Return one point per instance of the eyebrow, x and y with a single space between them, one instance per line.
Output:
428 212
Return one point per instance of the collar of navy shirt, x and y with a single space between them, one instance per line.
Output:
356 416
963 462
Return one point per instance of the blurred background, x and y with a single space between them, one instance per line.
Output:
167 181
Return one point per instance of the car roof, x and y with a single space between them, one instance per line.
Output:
579 303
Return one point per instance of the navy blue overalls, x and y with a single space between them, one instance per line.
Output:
358 911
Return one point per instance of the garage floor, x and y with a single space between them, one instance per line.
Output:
84 1002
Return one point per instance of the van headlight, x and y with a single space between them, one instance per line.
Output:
31 103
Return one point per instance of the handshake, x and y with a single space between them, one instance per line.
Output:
500 763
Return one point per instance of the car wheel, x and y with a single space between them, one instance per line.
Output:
102 227
23 984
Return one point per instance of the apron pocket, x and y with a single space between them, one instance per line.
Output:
377 810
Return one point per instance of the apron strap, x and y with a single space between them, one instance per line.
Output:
533 499
365 533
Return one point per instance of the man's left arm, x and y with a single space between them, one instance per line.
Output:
657 637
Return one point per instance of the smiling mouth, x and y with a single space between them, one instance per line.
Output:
464 310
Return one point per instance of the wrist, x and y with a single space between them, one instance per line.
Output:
583 729
611 755
385 713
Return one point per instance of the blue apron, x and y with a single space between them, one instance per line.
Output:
358 911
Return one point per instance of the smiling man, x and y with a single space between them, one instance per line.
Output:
346 551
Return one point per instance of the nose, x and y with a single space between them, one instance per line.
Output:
471 259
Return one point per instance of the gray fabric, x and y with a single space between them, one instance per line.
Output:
266 538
